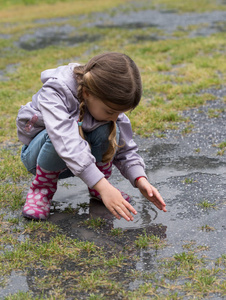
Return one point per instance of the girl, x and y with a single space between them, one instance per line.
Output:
76 126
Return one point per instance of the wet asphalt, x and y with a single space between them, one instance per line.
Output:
186 168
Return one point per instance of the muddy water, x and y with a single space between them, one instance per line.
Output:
185 168
168 21
165 21
185 178
187 171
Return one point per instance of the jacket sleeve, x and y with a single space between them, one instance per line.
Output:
58 107
127 160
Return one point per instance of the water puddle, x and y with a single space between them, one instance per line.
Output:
186 169
162 19
67 35
192 184
185 216
16 282
10 69
64 35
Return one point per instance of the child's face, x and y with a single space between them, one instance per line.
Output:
100 110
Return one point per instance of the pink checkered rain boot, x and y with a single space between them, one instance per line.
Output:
40 194
106 169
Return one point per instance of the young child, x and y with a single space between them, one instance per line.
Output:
76 126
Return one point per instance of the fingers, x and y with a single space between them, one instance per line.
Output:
152 194
159 203
123 210
115 214
124 213
130 207
155 197
158 197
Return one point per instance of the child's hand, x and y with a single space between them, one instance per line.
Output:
114 201
151 193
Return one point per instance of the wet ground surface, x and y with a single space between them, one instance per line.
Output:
187 172
162 19
185 168
165 23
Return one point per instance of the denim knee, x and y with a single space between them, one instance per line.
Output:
27 161
41 151
29 153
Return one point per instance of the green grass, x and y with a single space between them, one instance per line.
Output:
11 196
116 231
23 296
192 61
149 241
222 147
191 6
175 71
205 204
187 129
188 180
207 228
9 3
71 266
215 113
95 222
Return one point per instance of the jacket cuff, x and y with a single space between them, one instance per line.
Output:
135 171
91 175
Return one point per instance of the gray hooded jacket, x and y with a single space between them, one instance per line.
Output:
56 107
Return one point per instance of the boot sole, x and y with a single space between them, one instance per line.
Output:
32 218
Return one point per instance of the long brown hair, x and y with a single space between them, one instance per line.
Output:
114 78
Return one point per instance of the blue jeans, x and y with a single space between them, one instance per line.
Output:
41 151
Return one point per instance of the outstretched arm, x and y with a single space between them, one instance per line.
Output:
118 206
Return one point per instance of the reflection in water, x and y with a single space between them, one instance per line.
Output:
146 261
98 209
146 215
73 224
